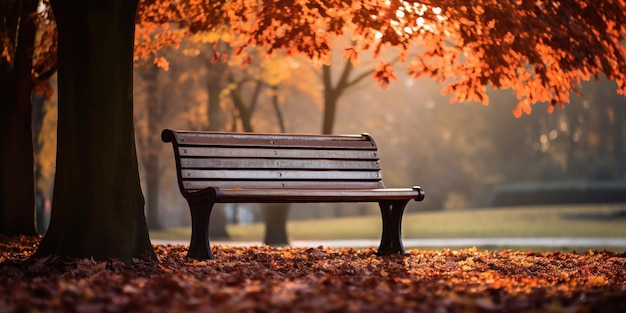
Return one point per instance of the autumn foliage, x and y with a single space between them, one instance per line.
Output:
541 50
315 279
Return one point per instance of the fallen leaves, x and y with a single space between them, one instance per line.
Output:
264 279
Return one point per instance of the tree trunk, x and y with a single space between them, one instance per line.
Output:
150 145
277 111
244 112
39 113
153 177
275 216
17 177
214 83
620 161
97 209
331 96
216 120
333 93
217 223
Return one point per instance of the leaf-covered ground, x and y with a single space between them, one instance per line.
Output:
317 279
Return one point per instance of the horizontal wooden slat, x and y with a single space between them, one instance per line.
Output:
334 144
274 140
227 163
279 175
277 153
243 161
191 185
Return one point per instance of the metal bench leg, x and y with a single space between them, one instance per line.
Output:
199 247
391 240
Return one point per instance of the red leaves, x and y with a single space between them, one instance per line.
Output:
314 279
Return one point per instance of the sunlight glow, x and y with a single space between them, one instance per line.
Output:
421 24
553 134
420 21
422 9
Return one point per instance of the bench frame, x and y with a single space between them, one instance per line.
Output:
221 167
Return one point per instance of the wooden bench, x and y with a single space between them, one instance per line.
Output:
220 167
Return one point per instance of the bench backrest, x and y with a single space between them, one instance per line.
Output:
251 160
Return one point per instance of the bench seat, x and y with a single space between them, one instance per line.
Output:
219 195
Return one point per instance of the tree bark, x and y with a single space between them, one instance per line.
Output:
214 83
244 111
216 119
277 111
216 70
150 144
17 176
333 93
153 177
98 207
331 96
620 161
275 216
39 112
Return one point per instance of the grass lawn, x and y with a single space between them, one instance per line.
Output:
593 221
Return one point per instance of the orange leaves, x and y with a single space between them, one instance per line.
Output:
162 63
467 90
151 37
541 52
522 107
537 51
384 74
508 38
353 55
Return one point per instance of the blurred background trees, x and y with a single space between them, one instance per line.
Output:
460 152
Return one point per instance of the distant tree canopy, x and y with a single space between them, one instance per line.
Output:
542 50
